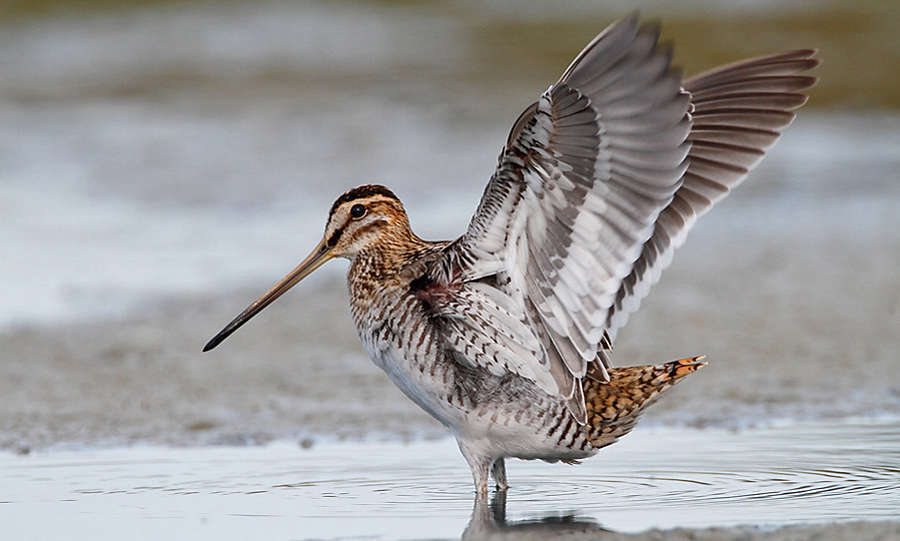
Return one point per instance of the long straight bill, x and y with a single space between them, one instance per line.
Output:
315 260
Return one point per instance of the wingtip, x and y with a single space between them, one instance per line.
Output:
632 17
651 26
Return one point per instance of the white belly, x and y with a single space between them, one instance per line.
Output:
505 420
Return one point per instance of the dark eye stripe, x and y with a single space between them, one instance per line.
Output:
332 240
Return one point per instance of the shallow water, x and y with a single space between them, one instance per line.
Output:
799 473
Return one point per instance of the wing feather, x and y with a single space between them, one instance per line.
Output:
577 191
599 182
739 112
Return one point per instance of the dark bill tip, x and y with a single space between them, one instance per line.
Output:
216 340
230 328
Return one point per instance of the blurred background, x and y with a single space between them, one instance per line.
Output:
164 162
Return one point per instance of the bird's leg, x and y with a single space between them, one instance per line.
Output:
498 470
480 465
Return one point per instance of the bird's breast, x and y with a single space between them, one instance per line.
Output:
509 412
401 339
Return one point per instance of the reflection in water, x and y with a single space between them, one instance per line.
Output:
489 523
802 473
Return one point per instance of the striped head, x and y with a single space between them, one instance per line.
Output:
363 218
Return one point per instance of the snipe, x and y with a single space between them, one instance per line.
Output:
504 334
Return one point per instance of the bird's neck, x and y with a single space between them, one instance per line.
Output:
387 259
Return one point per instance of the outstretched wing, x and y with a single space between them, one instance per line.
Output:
739 112
580 184
599 182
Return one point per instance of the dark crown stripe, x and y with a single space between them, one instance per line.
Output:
361 192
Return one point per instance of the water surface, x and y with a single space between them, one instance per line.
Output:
654 478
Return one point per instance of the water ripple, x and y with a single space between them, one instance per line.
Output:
653 478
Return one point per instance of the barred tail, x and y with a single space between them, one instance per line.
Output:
613 408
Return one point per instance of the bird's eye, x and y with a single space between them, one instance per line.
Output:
357 211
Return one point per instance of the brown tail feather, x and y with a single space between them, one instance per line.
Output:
613 408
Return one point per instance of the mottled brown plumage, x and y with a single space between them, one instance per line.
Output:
613 408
